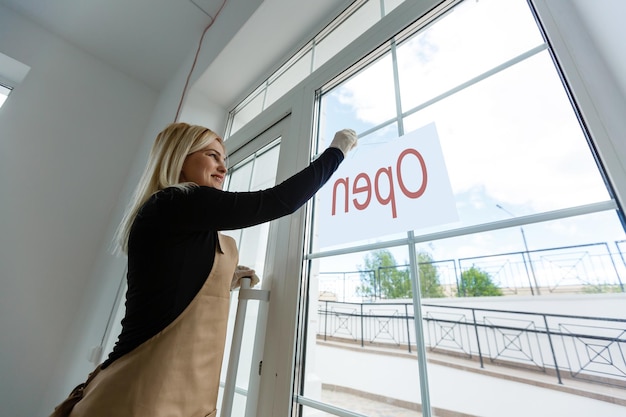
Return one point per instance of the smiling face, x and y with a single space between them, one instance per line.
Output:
206 166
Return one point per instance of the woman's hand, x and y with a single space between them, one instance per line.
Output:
243 272
344 140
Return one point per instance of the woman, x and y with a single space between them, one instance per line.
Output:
168 357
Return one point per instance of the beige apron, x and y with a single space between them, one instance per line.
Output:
175 373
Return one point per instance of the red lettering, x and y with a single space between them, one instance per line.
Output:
362 186
422 188
343 181
359 189
391 197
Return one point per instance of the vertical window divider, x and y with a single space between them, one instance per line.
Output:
418 322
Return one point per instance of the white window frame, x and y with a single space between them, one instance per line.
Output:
594 89
591 92
12 73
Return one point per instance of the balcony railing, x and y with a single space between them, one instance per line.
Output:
592 349
589 268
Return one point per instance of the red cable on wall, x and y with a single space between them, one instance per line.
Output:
195 59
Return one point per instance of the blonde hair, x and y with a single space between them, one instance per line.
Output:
170 148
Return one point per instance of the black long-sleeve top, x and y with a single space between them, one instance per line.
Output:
172 243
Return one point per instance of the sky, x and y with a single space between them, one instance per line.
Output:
511 139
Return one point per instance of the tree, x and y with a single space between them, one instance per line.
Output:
477 283
382 277
429 277
601 288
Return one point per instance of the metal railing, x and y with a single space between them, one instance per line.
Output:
592 349
588 268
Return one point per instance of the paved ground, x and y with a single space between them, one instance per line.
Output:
368 407
385 388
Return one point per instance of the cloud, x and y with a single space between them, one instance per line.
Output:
515 133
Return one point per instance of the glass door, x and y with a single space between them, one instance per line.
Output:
252 167
466 254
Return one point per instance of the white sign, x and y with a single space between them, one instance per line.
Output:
398 186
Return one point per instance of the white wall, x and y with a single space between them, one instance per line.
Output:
200 110
597 77
98 295
68 134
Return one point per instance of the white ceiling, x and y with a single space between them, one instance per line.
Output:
149 39
275 31
146 39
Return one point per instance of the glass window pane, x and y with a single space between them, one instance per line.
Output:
350 308
392 4
4 94
327 44
536 252
471 39
288 79
513 140
377 137
346 32
364 101
264 177
536 258
248 112
255 172
239 177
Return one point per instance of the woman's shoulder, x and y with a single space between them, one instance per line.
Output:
180 196
174 193
166 197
